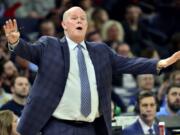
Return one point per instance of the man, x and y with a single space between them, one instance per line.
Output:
66 95
20 91
172 105
146 108
145 82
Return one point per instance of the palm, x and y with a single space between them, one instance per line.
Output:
11 31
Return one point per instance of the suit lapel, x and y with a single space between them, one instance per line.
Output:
94 58
95 61
139 128
66 56
156 129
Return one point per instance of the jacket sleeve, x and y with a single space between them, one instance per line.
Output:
31 52
135 66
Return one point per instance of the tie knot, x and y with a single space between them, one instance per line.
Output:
79 46
150 131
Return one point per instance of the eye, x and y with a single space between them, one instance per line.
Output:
83 18
74 18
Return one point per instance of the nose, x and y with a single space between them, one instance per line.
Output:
79 20
149 108
24 86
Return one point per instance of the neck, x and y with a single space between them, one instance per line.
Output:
19 100
75 39
148 123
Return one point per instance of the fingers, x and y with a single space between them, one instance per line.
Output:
15 24
5 29
10 26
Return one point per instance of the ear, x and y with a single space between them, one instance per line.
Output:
63 25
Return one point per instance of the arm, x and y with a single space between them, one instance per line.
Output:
20 47
134 66
122 64
31 52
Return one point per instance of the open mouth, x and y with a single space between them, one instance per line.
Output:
79 28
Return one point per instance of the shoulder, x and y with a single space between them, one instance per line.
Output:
162 111
97 44
47 40
100 47
6 105
129 130
132 129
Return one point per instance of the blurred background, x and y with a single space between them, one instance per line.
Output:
132 28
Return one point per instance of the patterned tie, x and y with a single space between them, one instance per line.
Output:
150 131
85 88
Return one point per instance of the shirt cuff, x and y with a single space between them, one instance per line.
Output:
11 47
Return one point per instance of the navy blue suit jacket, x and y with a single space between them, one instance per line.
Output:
136 129
52 57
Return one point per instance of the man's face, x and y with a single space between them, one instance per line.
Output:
21 87
146 81
113 33
133 13
177 79
124 50
48 29
75 24
9 68
147 108
173 99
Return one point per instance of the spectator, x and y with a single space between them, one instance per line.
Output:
145 82
88 7
146 109
172 106
9 74
8 123
20 91
170 79
99 17
124 49
47 28
136 34
112 31
94 36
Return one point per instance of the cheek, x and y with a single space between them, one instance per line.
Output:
14 126
171 99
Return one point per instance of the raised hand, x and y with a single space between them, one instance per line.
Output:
11 31
169 61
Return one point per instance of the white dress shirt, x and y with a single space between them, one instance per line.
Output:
70 104
145 127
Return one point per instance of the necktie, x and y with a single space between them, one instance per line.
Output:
85 88
150 131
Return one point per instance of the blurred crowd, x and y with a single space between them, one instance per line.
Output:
131 28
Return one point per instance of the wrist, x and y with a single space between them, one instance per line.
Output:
16 42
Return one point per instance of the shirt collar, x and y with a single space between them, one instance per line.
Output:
72 45
145 127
